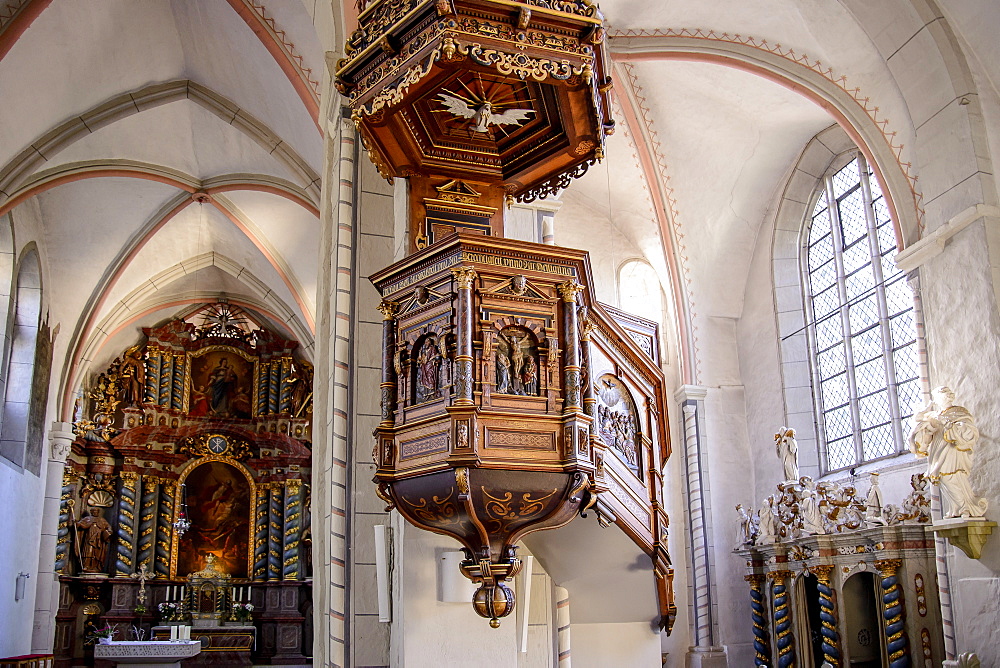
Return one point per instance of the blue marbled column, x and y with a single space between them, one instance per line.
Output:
260 534
164 528
827 616
153 364
147 522
275 532
125 550
783 620
758 615
62 531
897 646
291 570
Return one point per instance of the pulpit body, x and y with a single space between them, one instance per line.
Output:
511 401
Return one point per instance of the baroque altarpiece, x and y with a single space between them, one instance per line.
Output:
191 464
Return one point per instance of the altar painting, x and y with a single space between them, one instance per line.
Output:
218 504
221 386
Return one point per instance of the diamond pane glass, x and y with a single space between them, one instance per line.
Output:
902 329
826 302
859 283
867 345
840 454
889 268
874 410
863 314
821 252
838 423
820 220
870 376
898 297
857 256
832 361
886 238
823 277
877 442
905 359
881 211
846 178
835 391
828 332
852 217
909 398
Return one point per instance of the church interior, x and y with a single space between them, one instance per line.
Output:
514 333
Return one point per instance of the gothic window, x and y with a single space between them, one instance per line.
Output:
639 290
862 332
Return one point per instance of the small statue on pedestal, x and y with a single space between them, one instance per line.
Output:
93 535
947 435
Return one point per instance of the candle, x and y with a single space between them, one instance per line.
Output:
173 633
182 591
187 633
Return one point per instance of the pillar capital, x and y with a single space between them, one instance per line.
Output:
60 441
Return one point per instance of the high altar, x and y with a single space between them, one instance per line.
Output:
186 496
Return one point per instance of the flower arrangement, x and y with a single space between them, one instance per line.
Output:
241 611
170 612
140 609
102 635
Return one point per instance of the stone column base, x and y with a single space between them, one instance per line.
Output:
706 657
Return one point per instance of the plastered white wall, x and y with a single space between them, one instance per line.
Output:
604 645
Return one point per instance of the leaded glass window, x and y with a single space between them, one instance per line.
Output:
862 331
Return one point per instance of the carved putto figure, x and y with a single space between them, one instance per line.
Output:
768 530
947 435
788 452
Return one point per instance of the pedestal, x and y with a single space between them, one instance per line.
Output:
967 534
138 654
707 657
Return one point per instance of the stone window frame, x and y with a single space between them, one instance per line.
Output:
828 151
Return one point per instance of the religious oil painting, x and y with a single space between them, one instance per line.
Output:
218 502
221 386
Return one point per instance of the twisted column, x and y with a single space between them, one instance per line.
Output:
164 528
177 384
897 646
166 378
465 277
291 568
125 550
147 522
274 384
62 529
153 363
275 532
782 619
827 616
284 387
761 639
263 382
571 345
260 535
389 381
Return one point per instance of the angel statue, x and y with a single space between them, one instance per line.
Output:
946 434
484 113
788 452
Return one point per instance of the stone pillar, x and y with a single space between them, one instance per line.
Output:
827 615
389 380
783 619
549 230
897 645
758 610
705 651
571 345
562 627
465 278
47 584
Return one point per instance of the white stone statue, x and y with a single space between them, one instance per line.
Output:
747 532
873 506
768 529
788 452
947 435
809 514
